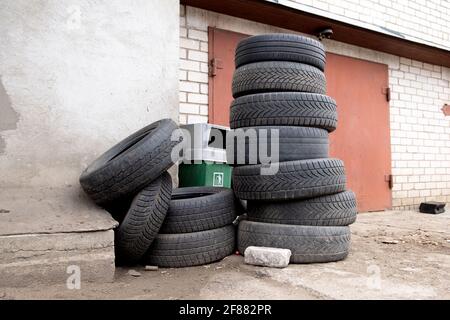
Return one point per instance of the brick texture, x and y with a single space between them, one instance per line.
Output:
193 72
425 20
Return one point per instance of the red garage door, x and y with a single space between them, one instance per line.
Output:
362 139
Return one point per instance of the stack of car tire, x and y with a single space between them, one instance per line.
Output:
279 84
159 226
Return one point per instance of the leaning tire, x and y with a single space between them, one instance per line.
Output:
143 220
284 109
288 144
131 164
194 209
191 249
293 180
308 244
272 76
331 210
280 47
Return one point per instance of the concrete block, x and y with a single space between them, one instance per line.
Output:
267 257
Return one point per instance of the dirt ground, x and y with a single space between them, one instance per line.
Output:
394 255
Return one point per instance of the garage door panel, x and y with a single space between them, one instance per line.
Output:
222 45
362 138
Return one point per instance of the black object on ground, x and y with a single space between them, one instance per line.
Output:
191 249
432 207
308 244
130 180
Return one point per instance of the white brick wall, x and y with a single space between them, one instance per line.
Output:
421 19
193 72
420 134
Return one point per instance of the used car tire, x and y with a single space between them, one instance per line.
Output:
131 164
143 220
308 244
272 76
280 47
284 109
293 180
293 143
191 249
331 210
194 209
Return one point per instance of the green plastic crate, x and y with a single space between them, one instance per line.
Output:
205 174
204 163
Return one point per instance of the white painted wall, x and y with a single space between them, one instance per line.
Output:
78 76
420 133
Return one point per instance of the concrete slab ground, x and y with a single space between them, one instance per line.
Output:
394 255
41 235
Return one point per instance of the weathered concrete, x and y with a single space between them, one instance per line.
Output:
75 78
81 75
40 237
414 268
267 257
32 259
29 211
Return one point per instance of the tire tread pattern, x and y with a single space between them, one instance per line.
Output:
294 143
272 76
331 210
294 180
284 109
308 244
133 169
143 220
191 249
280 47
215 209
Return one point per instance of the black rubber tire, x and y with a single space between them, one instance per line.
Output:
194 209
131 164
284 109
143 220
294 180
308 244
191 249
280 47
294 143
272 76
332 210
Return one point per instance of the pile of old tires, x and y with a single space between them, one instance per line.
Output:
279 86
159 226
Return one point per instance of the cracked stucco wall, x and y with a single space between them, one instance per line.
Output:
78 76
